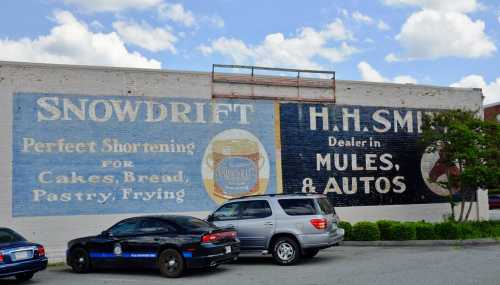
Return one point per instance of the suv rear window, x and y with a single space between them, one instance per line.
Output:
325 206
298 207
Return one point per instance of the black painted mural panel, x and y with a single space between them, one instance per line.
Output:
358 155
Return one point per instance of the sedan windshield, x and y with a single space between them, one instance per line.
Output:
7 236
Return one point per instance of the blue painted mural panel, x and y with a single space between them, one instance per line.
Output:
76 155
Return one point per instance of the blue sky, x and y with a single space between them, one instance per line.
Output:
436 42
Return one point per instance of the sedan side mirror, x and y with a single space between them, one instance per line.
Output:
105 234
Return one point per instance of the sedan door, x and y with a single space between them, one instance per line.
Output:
106 250
256 224
142 248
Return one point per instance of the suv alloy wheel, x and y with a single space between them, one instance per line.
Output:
286 251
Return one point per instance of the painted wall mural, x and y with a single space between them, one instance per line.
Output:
358 156
77 154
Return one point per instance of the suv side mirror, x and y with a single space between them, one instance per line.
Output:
210 218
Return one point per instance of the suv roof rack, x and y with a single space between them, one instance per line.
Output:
276 195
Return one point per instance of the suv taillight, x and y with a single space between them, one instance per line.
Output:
214 237
1 258
320 224
41 250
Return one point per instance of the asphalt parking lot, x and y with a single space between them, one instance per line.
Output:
340 265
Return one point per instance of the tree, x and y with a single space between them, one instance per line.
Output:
469 151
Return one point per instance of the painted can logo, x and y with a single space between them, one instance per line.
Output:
235 164
235 175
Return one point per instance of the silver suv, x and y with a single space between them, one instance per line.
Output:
289 226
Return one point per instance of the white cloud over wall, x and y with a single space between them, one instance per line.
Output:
176 13
440 29
72 42
430 34
491 91
112 5
300 50
368 73
145 36
464 6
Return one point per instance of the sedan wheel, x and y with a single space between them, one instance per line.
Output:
286 251
171 263
80 261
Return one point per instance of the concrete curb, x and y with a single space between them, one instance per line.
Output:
487 241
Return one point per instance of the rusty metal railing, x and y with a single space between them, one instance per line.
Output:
271 79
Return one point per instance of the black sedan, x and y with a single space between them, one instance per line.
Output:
168 243
19 257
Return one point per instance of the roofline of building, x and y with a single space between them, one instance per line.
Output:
149 70
491 105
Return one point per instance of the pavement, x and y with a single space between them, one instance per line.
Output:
338 265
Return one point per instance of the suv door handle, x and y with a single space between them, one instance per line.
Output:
268 223
230 226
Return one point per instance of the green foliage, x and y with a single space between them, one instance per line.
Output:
486 228
403 231
347 228
394 230
365 231
425 231
470 150
447 230
384 227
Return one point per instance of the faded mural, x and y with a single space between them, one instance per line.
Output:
77 154
85 154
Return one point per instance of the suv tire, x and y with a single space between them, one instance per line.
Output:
286 251
171 263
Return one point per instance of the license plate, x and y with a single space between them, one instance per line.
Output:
228 249
20 255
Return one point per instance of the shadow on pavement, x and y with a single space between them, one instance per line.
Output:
140 272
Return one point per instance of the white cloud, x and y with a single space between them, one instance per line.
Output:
392 58
491 91
300 51
403 79
71 42
145 36
463 6
430 34
177 13
361 18
214 20
383 26
112 5
368 73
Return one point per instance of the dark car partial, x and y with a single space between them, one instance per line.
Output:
168 243
19 257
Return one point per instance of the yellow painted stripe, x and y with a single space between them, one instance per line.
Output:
277 140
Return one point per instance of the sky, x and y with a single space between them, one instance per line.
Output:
433 42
